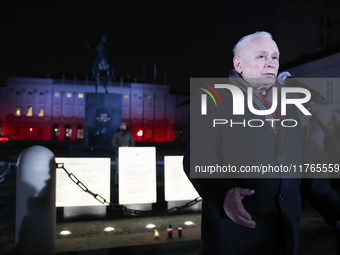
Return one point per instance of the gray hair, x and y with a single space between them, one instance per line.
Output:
244 41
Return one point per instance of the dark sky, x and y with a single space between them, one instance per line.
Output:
183 38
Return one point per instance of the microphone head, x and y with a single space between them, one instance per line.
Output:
282 76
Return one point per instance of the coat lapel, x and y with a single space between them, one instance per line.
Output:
267 124
282 130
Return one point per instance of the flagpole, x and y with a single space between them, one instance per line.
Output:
154 73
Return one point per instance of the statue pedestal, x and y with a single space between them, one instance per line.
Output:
103 115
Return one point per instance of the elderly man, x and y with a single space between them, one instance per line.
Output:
251 215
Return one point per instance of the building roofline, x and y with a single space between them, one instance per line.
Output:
308 58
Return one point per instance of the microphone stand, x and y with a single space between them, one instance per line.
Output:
318 99
336 143
332 138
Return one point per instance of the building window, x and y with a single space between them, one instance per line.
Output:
321 39
126 97
80 95
18 112
68 95
68 132
41 113
29 93
328 40
80 132
149 97
328 22
57 94
140 133
39 131
29 111
41 93
330 91
16 131
159 133
29 132
321 21
17 92
55 132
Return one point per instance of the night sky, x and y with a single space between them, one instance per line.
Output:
183 38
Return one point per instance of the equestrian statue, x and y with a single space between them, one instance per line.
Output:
102 69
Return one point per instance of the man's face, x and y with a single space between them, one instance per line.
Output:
258 63
123 127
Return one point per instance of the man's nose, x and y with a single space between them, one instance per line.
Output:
270 62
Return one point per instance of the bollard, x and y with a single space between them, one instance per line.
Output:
35 201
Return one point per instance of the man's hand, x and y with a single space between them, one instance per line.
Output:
234 208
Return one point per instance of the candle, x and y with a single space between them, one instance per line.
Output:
179 231
156 234
169 231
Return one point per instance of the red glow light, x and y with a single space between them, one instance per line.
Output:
4 139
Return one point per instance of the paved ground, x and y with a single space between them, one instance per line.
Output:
130 235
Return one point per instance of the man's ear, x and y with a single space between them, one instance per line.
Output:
238 64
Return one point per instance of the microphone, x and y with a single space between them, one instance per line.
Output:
315 96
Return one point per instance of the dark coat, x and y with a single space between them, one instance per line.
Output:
276 204
122 138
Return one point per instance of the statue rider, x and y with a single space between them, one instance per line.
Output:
103 68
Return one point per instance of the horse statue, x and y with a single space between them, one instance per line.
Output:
103 68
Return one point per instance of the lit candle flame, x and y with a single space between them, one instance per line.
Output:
156 234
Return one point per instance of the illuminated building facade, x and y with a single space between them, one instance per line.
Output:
54 109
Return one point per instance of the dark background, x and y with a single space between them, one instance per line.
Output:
183 38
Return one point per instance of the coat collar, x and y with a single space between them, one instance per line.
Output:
259 104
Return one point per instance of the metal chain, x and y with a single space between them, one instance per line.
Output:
6 172
123 208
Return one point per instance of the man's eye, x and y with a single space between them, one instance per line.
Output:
262 56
